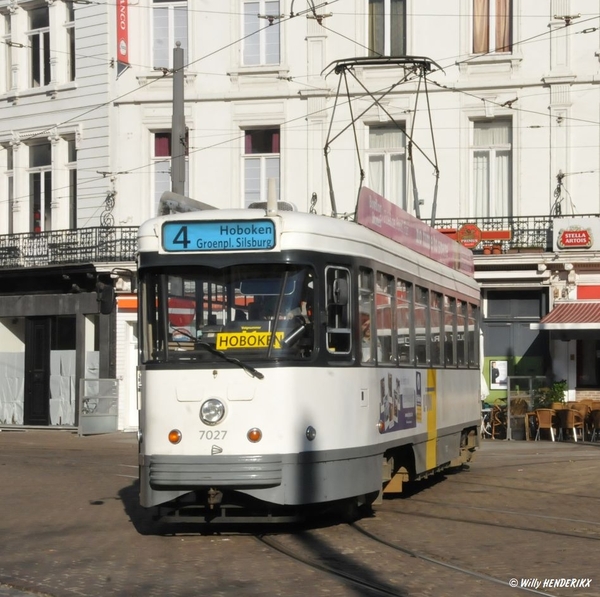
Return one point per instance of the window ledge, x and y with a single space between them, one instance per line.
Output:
51 91
270 70
156 75
489 62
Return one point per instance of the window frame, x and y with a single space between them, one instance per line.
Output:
338 314
10 188
71 166
387 47
159 161
493 204
450 319
260 194
366 310
39 57
436 310
405 303
171 6
489 23
7 59
40 192
385 309
71 66
267 34
385 186
422 292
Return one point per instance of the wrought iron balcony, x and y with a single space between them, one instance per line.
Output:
118 244
64 247
510 235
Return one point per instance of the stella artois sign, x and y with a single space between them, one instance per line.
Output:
575 237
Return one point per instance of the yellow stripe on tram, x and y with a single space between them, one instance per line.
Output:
431 401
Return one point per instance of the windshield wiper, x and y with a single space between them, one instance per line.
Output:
247 368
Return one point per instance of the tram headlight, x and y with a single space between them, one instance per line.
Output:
212 411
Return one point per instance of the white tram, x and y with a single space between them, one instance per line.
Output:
296 360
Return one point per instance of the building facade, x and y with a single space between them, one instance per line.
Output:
499 148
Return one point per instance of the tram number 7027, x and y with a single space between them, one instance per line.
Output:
212 435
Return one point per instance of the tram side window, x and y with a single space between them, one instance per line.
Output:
473 335
404 322
386 341
461 333
435 306
339 337
365 308
421 325
450 330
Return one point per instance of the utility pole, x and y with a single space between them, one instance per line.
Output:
178 141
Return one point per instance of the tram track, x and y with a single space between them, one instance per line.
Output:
438 562
527 513
487 482
341 568
491 524
362 583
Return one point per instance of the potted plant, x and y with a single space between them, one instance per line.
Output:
545 397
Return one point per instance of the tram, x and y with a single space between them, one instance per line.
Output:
292 361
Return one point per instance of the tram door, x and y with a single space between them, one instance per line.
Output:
36 409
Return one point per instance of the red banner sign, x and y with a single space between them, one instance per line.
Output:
122 32
378 214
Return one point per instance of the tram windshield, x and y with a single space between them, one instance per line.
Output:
244 312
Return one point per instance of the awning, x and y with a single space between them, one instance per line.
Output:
576 315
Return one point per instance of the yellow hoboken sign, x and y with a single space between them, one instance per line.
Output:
242 340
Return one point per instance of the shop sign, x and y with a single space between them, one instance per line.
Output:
575 233
575 237
469 235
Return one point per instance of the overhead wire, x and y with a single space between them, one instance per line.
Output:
141 86
237 137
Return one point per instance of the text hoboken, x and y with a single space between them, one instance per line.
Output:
248 230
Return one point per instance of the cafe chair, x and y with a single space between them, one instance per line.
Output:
581 407
498 422
595 425
584 409
571 420
546 420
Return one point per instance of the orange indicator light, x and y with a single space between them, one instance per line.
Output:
174 436
254 435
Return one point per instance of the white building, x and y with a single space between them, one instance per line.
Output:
85 132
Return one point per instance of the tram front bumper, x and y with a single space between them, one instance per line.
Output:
194 472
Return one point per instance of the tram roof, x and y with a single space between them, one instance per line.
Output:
304 231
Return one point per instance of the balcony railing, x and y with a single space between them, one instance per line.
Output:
117 244
510 235
62 247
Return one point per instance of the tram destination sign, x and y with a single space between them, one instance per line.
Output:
224 235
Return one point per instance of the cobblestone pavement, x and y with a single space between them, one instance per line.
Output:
71 526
